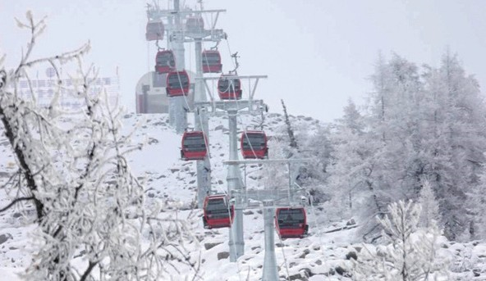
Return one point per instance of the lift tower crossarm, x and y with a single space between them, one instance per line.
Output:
158 13
221 108
237 76
190 12
268 161
241 77
291 196
206 12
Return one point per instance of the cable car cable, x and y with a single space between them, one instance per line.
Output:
316 226
229 50
283 254
206 142
181 87
190 55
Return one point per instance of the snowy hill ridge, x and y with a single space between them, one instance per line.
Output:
323 255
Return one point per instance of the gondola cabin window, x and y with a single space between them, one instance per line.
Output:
178 81
194 143
291 218
253 141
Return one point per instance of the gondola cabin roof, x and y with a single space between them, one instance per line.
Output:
178 83
217 197
154 31
194 134
254 132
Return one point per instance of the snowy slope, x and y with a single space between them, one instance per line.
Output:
320 256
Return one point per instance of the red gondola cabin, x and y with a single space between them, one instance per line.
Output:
291 222
164 61
211 61
154 31
194 146
194 24
217 212
229 88
254 145
177 83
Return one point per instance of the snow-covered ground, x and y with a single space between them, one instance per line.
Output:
320 256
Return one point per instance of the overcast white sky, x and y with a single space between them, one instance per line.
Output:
317 53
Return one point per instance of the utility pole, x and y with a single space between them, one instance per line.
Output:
270 270
178 106
201 124
236 239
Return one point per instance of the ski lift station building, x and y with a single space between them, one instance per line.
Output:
151 95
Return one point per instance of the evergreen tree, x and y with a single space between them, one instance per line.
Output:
430 216
477 201
430 125
350 167
391 138
313 175
409 253
453 140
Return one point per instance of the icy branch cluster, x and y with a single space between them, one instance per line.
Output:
93 222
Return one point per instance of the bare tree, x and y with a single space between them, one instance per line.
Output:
93 222
290 131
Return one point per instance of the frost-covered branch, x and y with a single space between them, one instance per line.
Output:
410 253
92 217
15 201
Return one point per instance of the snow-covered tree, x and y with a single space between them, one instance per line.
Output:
453 140
292 141
275 175
313 175
351 165
428 125
477 201
93 221
387 142
430 215
409 253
